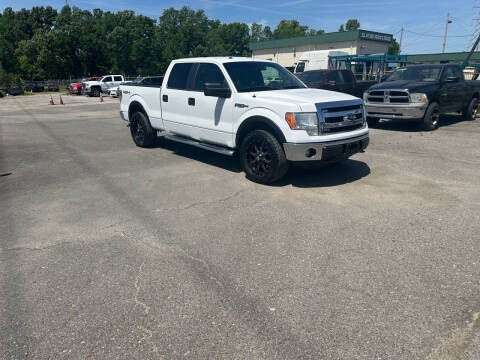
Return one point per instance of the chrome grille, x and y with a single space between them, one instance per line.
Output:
388 96
340 116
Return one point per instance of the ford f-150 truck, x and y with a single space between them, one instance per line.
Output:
94 88
254 108
423 92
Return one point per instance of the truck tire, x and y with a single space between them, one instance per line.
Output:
431 118
470 112
143 134
94 92
262 157
372 121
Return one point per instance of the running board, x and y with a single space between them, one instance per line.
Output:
201 145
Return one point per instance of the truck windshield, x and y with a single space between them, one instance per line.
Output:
417 73
261 76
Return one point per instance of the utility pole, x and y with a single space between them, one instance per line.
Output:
401 38
446 29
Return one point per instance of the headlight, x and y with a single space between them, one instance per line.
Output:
303 121
365 96
418 98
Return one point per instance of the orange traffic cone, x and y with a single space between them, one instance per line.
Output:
101 98
61 101
51 101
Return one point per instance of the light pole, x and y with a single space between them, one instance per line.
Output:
446 29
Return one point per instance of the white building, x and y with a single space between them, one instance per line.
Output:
287 51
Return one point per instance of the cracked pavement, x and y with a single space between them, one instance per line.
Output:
109 251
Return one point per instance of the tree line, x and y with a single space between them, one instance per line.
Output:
42 43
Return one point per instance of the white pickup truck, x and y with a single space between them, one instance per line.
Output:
95 88
254 108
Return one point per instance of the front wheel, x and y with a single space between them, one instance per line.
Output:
143 134
431 118
262 157
470 112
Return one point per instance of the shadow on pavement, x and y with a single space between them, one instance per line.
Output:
413 126
332 175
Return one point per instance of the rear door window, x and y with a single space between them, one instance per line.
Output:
178 78
348 77
118 78
335 77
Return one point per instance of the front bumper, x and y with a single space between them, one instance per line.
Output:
124 116
396 111
327 151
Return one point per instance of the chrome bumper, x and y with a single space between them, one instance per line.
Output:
326 151
396 111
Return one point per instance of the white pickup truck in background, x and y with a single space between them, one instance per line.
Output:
95 88
254 108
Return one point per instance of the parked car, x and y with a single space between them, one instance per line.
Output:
153 81
52 86
255 108
17 90
423 93
315 60
76 87
95 88
34 87
336 80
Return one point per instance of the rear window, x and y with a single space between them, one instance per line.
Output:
300 67
313 77
178 78
347 77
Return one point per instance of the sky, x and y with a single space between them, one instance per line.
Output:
423 20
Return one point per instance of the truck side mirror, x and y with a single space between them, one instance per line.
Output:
452 79
217 90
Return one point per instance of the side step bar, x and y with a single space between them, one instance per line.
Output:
211 147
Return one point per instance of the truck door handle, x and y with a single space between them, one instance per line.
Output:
165 98
191 101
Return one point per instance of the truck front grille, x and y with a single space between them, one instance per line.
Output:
341 116
388 96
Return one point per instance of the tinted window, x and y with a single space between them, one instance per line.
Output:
208 73
118 78
313 77
157 80
179 76
451 71
347 77
334 76
300 67
107 79
261 76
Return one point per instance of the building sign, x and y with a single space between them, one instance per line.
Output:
367 35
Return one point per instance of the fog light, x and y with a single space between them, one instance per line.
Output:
310 153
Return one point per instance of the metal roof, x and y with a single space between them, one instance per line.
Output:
323 38
455 56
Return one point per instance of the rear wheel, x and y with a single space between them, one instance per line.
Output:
431 118
143 134
95 92
262 157
470 112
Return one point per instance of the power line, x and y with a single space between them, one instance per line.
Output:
439 36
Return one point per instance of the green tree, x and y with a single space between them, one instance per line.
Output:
289 28
341 28
352 24
393 48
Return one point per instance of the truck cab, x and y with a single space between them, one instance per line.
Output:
95 88
315 60
253 108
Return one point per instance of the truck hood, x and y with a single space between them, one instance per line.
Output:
305 97
412 86
90 83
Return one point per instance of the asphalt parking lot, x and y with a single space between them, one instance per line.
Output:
109 251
